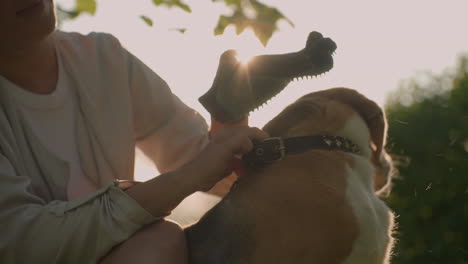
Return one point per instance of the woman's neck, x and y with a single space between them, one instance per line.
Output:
33 67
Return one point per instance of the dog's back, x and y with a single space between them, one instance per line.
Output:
315 207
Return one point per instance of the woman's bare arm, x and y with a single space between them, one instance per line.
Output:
162 194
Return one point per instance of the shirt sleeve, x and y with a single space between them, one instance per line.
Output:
79 231
167 131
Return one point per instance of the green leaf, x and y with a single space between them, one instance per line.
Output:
147 20
263 20
266 21
240 21
264 32
184 7
236 3
87 6
240 27
66 14
180 30
172 3
223 22
269 13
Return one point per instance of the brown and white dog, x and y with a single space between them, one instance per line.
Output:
319 206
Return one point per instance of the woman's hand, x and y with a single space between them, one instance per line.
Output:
221 156
223 187
160 195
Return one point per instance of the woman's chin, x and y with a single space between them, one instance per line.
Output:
38 25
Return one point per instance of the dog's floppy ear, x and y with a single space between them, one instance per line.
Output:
376 122
381 160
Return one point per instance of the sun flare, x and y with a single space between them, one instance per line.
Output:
247 46
244 57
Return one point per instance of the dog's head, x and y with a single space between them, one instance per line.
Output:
340 112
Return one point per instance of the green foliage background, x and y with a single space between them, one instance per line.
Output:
428 139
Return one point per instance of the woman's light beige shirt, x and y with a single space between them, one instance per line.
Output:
122 104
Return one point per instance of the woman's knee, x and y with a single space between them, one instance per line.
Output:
166 234
162 241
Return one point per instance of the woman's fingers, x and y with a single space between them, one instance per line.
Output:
257 133
242 145
222 155
241 142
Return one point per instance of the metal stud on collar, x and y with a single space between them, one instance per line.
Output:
341 143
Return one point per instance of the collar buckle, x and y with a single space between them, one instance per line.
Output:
266 151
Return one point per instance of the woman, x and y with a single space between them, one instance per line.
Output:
72 110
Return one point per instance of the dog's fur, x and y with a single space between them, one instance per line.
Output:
315 207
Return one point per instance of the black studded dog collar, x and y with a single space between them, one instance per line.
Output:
276 148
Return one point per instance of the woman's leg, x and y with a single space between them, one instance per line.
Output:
159 243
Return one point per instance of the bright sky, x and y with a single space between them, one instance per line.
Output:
379 43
